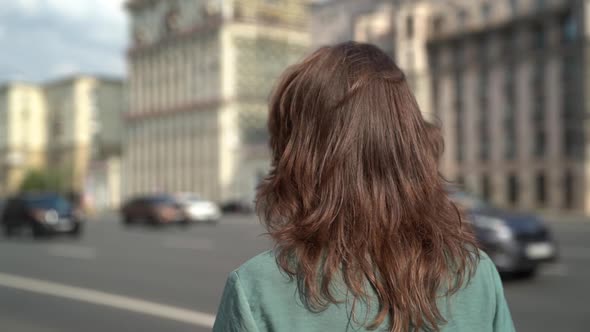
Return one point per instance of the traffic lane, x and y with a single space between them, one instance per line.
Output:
143 263
22 311
557 300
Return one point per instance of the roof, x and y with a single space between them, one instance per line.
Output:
73 77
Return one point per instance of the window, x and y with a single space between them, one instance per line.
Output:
409 27
486 190
568 28
459 117
461 181
541 189
509 113
462 18
539 37
568 186
458 55
438 24
486 11
513 189
484 148
540 143
514 6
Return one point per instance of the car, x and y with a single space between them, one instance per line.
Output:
157 209
42 213
518 243
237 207
197 209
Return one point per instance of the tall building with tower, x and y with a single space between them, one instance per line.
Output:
200 75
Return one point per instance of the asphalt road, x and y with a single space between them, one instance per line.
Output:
170 279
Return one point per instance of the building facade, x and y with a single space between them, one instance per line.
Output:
200 76
509 80
72 125
23 133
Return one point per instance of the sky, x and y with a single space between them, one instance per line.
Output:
43 40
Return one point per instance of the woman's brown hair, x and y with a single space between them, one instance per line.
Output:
354 192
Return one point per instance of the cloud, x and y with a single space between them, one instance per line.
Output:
64 69
44 38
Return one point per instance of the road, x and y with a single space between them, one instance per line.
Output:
170 279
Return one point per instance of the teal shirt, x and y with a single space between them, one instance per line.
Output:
258 297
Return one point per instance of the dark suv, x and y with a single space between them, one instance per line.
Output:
516 242
43 214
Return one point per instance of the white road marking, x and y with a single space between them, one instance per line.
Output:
575 252
189 244
71 251
108 300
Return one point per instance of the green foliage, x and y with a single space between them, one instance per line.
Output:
45 180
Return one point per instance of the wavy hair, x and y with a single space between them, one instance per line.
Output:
354 191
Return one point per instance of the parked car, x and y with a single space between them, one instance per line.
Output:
237 207
155 210
197 209
516 242
44 214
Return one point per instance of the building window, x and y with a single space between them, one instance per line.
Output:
460 139
539 37
486 190
541 189
461 181
409 27
509 114
568 185
568 28
513 189
486 11
462 18
458 55
484 146
438 24
514 6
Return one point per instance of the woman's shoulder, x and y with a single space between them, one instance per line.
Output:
260 268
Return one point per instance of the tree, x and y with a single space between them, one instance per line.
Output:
44 180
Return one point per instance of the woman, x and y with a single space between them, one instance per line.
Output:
366 237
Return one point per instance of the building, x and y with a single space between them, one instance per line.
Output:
200 75
23 134
103 182
72 125
85 130
509 82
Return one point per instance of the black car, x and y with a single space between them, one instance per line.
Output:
43 214
516 242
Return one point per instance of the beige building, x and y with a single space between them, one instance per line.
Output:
200 74
85 130
72 125
23 133
509 83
